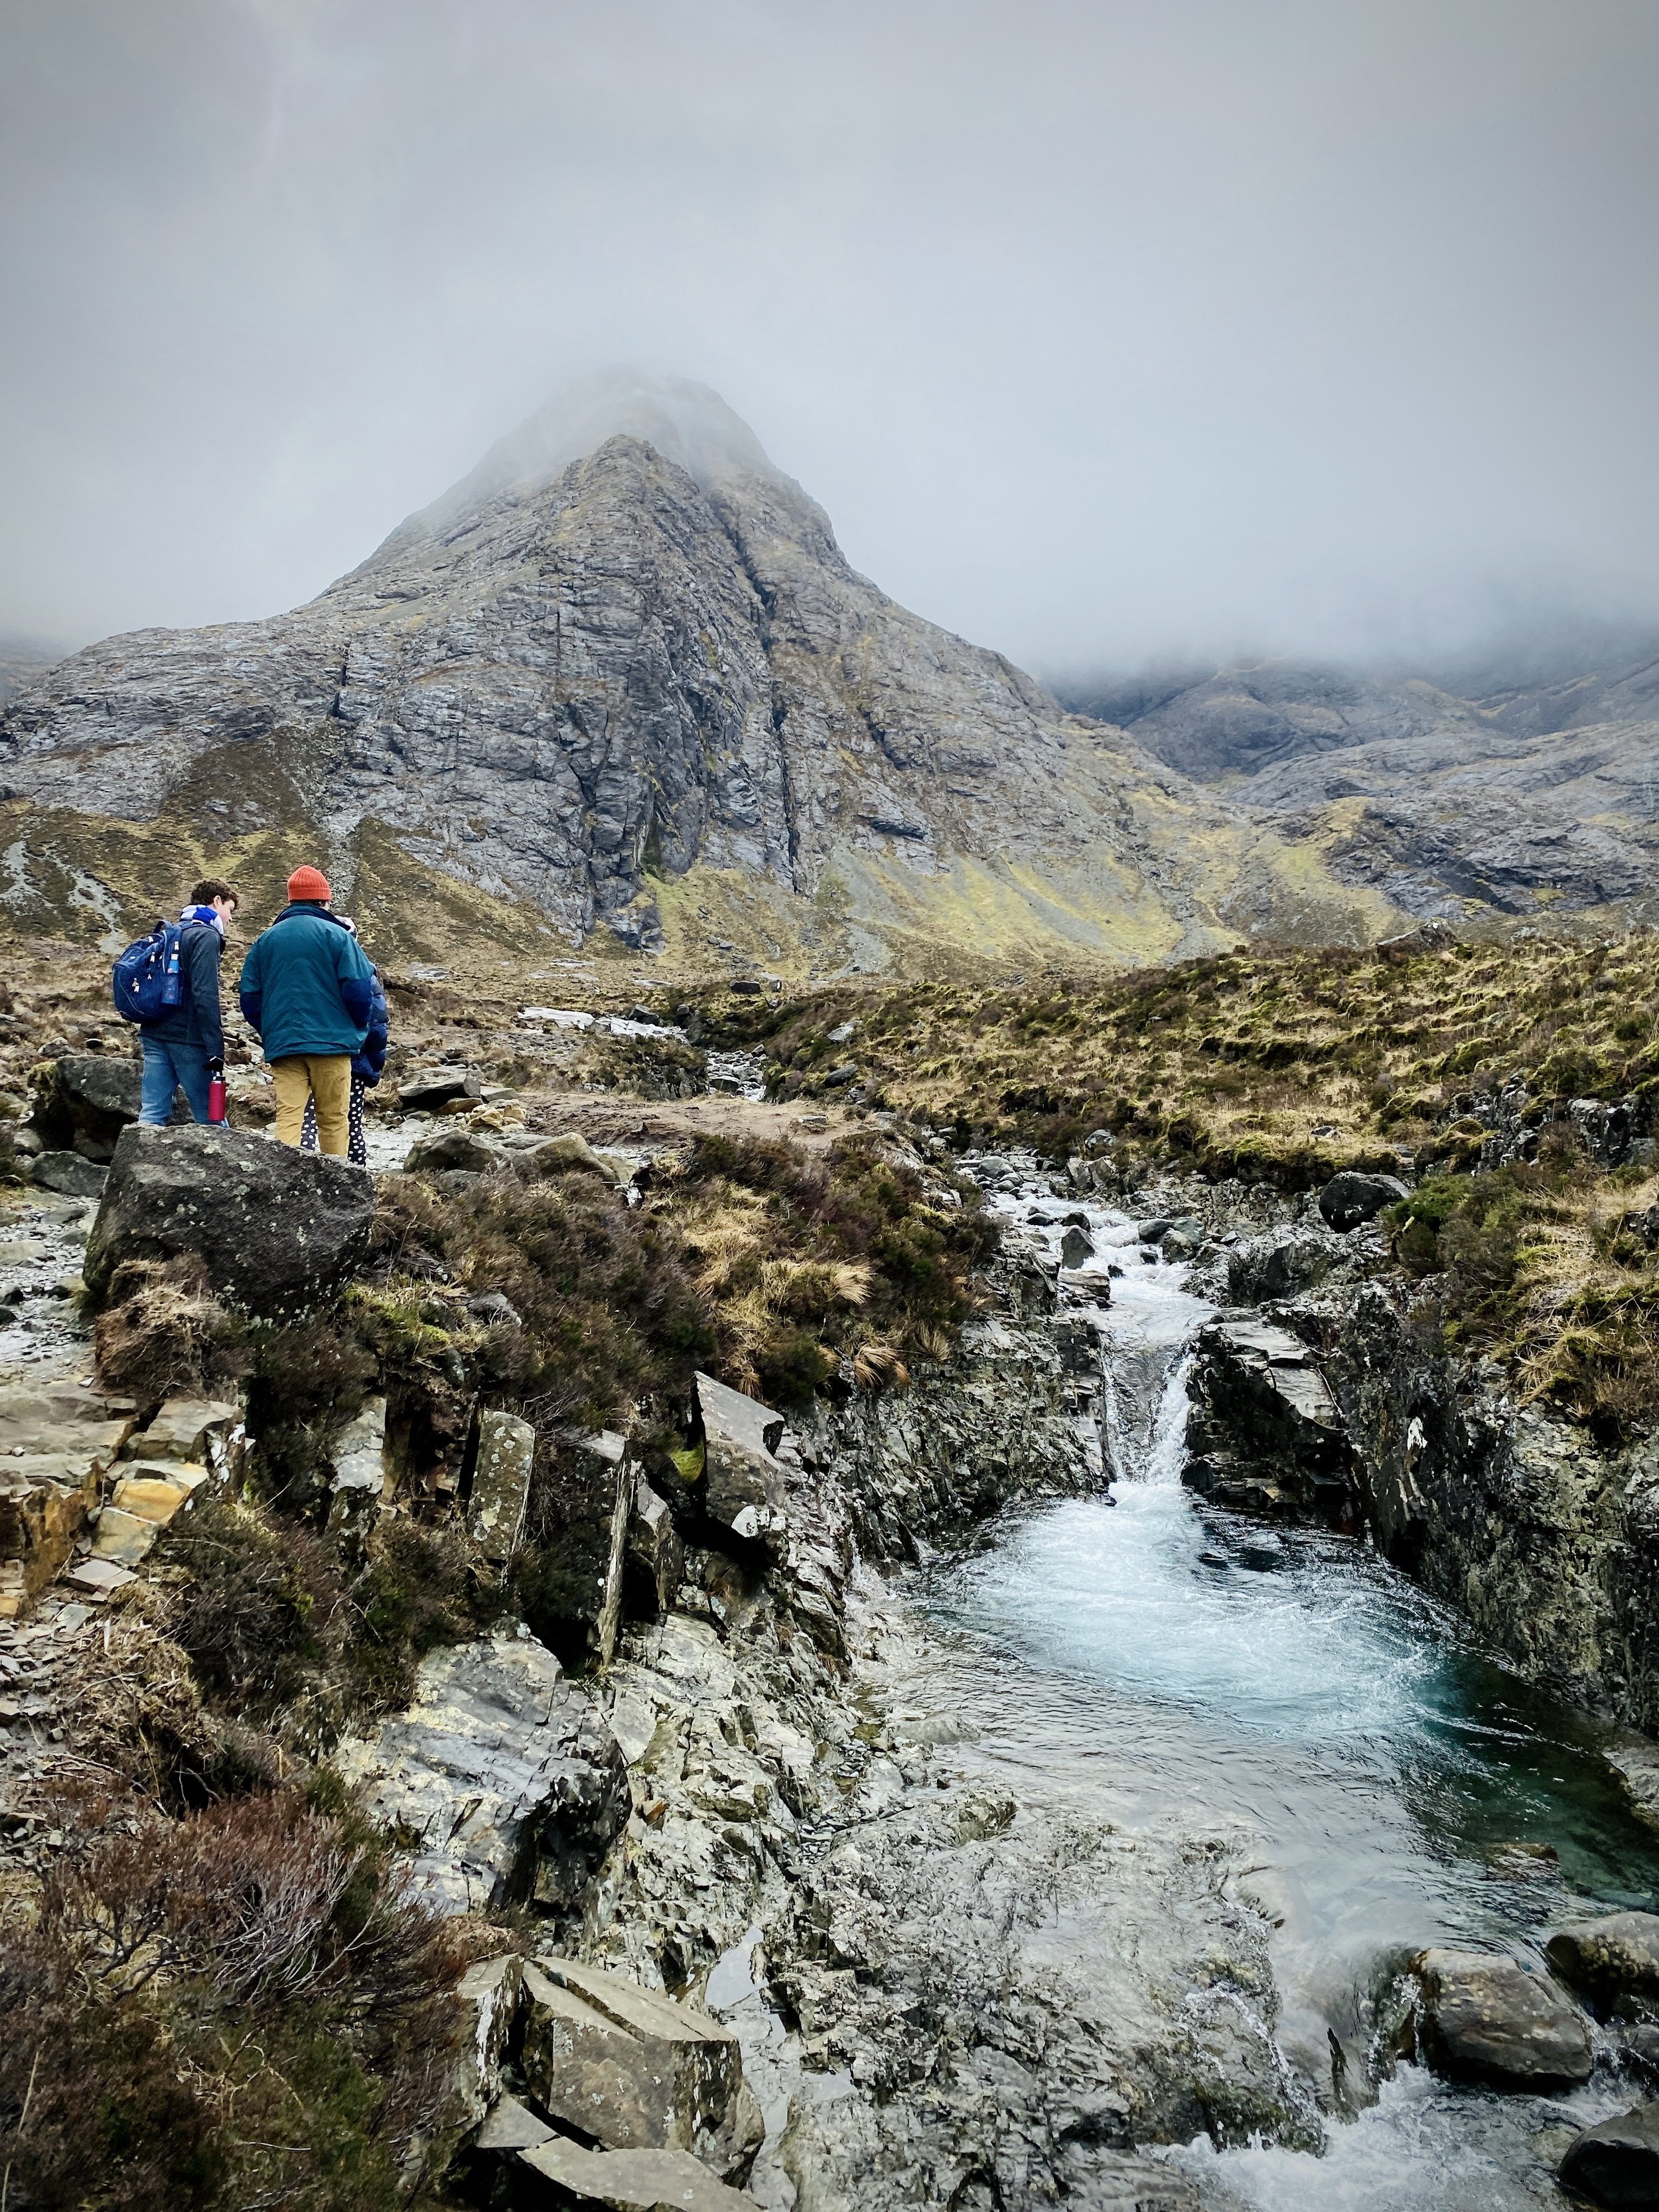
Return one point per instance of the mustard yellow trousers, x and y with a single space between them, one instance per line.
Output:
325 1076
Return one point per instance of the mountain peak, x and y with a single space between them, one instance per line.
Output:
687 422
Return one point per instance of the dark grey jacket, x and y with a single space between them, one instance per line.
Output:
196 1019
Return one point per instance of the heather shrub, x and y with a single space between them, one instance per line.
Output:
242 2007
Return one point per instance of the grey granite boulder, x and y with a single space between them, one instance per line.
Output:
453 1147
571 1150
499 1778
69 1174
1483 2017
1351 1199
277 1228
1616 2163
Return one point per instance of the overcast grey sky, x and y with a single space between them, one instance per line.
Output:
1104 329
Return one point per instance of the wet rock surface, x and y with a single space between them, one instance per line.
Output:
1616 2163
1610 1960
1266 1433
1486 2018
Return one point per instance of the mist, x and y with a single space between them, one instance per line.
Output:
1107 335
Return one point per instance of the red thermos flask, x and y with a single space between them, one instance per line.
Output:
217 1104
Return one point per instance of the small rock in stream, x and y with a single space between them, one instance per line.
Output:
1609 1958
1616 2162
1483 2017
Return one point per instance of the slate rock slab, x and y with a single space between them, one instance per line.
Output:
1483 2017
633 2180
632 2069
500 1777
277 1228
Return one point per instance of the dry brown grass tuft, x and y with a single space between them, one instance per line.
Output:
162 1332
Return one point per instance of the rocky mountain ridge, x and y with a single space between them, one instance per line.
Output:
621 678
641 691
1543 787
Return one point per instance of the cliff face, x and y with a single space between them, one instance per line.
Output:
1543 1536
642 690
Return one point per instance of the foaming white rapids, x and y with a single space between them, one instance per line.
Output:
1157 1662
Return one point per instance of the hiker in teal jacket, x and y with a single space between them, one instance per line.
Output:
306 988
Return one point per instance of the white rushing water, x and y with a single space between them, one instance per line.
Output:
1163 1662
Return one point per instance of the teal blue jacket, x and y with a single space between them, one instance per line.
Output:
306 985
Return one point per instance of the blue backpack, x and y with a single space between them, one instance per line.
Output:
146 979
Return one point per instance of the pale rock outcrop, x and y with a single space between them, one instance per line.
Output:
633 2180
499 1778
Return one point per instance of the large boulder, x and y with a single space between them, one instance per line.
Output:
1281 1262
571 1150
84 1100
277 1228
71 1175
1351 1199
634 2070
500 1777
1610 1958
1483 2017
1616 2162
1075 1247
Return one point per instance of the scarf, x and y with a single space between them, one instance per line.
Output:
208 913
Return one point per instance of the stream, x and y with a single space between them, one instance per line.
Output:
1153 1661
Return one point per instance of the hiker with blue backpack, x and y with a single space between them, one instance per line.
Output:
307 990
168 984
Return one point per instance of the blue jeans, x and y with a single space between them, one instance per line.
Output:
167 1068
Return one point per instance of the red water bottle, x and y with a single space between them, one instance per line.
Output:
218 1105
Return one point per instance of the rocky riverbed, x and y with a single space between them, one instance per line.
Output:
1080 1767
